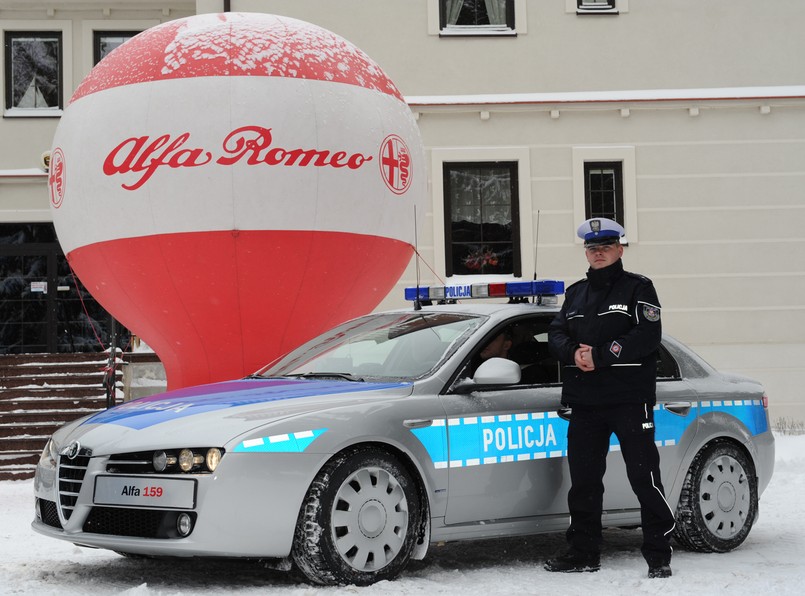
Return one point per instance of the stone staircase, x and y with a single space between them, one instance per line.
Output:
38 394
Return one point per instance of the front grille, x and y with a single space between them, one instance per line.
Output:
131 463
71 477
138 523
49 513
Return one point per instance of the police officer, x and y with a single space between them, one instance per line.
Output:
606 336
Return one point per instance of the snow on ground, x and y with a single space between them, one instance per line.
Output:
771 561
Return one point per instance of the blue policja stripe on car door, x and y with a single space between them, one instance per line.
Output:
484 440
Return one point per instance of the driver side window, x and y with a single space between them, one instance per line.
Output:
525 341
530 351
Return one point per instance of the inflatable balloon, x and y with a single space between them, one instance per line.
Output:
229 186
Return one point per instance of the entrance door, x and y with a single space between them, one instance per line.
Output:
43 308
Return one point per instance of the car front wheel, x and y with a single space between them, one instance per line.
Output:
719 503
358 523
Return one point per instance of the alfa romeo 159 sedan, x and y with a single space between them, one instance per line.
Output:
348 456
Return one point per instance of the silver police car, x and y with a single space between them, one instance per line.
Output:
350 455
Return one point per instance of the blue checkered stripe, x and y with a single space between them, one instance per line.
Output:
749 411
483 440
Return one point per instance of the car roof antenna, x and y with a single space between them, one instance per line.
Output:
417 303
536 245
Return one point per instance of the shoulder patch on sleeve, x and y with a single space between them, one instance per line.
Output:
651 312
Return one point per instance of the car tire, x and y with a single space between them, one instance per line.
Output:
718 504
359 521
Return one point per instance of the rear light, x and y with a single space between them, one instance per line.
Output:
765 401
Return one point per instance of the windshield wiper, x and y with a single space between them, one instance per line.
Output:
328 375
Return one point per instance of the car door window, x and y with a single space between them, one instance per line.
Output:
667 368
528 338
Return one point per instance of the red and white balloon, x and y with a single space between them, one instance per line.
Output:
230 185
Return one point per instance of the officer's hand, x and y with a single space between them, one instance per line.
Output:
584 358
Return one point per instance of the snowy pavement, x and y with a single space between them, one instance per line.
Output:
771 561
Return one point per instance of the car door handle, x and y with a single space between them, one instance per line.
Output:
680 408
564 413
417 423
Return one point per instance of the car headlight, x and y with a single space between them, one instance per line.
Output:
196 460
213 458
186 460
49 454
160 461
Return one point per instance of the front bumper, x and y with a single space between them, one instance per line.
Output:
247 508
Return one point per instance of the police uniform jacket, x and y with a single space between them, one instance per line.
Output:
618 314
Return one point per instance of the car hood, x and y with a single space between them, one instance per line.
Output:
212 415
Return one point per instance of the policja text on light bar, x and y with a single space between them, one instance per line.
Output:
509 289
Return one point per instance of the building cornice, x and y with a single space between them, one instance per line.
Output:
26 175
722 94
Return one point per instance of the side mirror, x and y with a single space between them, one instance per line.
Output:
495 371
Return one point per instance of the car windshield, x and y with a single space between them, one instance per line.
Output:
376 347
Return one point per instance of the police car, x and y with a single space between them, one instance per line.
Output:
351 454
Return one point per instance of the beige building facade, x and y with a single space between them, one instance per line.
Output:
697 110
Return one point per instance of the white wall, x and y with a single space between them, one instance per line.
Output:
655 45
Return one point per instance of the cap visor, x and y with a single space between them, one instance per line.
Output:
601 241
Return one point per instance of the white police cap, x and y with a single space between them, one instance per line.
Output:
600 230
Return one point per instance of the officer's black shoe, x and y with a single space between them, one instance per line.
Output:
573 562
659 571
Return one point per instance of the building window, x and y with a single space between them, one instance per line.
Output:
43 307
595 5
476 16
481 205
33 74
103 42
601 7
605 183
603 190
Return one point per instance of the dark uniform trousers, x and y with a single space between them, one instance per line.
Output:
588 443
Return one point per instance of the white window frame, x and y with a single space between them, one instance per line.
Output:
520 24
88 28
520 155
572 7
66 30
623 154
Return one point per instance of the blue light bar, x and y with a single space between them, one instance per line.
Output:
508 289
548 287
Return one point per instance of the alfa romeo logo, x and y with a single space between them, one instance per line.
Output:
395 164
56 180
71 451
